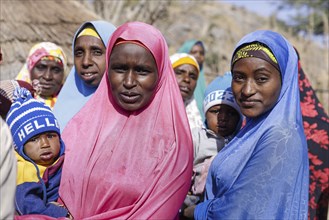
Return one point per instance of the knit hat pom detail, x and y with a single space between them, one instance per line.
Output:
21 94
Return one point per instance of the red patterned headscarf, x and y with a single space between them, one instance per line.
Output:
316 127
43 50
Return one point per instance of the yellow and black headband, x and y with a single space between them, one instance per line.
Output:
255 50
88 31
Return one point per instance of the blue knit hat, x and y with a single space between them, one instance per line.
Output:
219 92
28 117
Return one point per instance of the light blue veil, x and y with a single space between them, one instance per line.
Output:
75 93
263 172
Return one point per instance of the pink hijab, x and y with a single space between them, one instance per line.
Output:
129 165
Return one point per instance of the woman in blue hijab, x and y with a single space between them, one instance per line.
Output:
197 49
89 47
263 172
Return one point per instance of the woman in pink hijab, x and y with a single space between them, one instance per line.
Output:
129 149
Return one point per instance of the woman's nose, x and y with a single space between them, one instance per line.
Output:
248 88
129 80
86 61
186 77
48 75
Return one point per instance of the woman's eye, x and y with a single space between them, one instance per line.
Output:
40 67
193 76
78 53
98 53
57 70
177 72
119 68
237 77
262 79
142 71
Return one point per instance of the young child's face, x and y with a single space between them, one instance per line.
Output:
222 119
43 149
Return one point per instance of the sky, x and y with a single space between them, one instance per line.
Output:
267 7
264 7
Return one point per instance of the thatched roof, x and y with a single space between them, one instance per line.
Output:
27 22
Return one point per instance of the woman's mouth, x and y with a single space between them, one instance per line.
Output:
184 89
46 86
88 76
129 97
248 103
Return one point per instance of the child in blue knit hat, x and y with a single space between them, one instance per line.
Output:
223 120
40 155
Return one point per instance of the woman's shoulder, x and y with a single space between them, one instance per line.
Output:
283 135
284 128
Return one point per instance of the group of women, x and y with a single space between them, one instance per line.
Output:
128 142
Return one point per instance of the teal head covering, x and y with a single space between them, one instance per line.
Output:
201 83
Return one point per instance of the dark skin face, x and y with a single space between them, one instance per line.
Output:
133 76
256 86
89 59
222 119
186 76
198 52
50 75
43 149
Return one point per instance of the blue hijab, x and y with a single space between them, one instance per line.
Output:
263 172
201 83
75 93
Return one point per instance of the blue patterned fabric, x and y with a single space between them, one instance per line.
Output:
263 172
75 93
